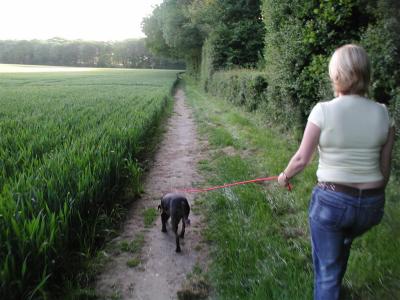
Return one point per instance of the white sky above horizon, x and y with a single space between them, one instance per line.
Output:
97 20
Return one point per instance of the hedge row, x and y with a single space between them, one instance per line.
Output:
241 87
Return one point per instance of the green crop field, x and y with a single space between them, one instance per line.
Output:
68 138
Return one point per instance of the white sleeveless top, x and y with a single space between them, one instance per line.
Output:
353 131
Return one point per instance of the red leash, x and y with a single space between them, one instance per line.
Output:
289 187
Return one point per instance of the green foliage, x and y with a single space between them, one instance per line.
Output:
135 176
170 33
219 136
155 41
134 246
233 29
150 215
179 33
241 87
133 262
67 139
302 35
236 34
382 41
396 151
207 68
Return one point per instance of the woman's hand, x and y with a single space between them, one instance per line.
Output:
283 180
303 155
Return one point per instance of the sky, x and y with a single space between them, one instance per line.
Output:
98 20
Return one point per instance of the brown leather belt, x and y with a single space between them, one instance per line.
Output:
351 191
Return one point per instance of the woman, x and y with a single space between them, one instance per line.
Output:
355 138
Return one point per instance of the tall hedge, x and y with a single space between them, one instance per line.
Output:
235 33
207 61
302 35
241 87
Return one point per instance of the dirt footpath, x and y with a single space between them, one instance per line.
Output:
161 272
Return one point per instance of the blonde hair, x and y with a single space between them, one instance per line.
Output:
349 70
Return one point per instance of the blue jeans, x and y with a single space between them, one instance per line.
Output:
335 220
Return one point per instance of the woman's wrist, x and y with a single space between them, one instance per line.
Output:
287 178
283 179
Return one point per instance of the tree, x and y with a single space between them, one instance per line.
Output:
171 33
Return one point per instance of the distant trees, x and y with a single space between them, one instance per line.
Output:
125 54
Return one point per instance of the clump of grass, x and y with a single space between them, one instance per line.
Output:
204 165
82 293
134 262
221 137
134 246
149 216
116 296
196 286
197 270
135 173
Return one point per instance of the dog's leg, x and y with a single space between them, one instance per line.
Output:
183 229
174 224
164 219
185 217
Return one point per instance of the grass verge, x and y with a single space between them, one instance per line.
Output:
259 234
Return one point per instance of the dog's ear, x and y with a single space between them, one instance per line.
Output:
159 207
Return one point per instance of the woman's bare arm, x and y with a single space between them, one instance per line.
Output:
303 155
386 155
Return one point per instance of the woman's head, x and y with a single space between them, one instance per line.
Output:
349 70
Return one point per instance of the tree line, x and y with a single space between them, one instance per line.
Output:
131 53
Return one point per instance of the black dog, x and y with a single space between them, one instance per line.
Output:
176 206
